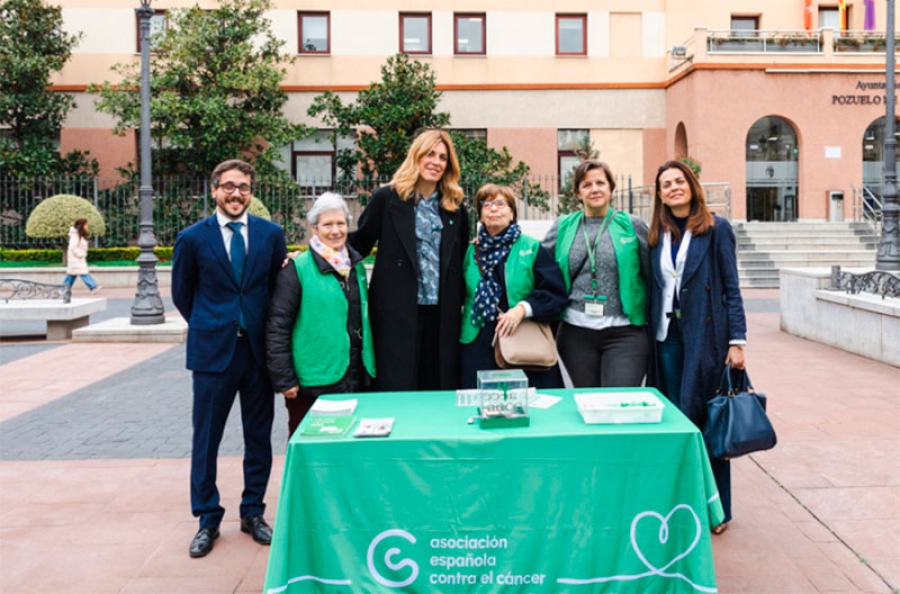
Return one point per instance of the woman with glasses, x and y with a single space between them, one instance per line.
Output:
602 252
318 338
509 277
422 230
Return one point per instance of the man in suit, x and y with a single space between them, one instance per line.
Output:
223 273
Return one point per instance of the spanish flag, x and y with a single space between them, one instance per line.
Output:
842 8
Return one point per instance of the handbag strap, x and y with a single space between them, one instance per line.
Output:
725 385
742 381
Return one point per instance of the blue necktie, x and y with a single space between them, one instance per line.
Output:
238 251
238 255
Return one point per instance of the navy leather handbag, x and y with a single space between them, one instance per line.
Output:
737 423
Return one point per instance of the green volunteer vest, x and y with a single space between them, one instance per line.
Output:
632 288
519 268
320 344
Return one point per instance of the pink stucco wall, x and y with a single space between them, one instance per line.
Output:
535 146
718 107
110 150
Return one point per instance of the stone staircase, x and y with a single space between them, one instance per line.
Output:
764 248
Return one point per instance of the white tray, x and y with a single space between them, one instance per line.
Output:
619 407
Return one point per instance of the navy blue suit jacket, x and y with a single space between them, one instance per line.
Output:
209 298
712 311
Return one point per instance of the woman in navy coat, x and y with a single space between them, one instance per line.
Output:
696 311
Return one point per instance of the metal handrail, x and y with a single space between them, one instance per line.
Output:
868 209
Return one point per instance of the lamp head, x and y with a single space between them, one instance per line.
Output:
146 3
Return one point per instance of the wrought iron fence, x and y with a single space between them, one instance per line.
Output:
179 202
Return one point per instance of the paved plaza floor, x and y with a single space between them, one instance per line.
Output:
95 440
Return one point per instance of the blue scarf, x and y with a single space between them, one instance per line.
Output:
491 253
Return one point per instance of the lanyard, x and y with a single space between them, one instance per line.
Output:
592 248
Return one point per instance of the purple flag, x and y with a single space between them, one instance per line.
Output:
869 23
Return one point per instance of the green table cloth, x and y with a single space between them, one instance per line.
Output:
445 506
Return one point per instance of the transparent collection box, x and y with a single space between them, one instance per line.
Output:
503 398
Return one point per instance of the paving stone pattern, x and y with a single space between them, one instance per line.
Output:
142 412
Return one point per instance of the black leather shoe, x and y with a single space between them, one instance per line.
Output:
203 542
256 526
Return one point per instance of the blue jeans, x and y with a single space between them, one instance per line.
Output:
87 278
671 363
671 360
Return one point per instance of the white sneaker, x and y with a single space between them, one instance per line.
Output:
95 289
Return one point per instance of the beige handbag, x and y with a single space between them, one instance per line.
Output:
532 348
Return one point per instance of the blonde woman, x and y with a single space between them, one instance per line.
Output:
421 227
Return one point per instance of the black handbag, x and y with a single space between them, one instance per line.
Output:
737 423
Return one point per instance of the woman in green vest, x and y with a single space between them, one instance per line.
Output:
317 334
508 277
603 255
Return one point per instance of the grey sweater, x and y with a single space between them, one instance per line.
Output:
607 272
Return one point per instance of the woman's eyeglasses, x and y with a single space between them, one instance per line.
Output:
498 203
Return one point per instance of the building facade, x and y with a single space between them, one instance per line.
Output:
788 116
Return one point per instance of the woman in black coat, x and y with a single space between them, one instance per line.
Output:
696 310
416 293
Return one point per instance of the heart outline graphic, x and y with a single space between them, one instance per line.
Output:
664 535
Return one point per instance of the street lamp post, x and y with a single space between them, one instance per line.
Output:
147 307
889 247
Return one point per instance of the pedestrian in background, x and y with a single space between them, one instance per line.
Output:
696 309
416 294
318 337
76 256
602 252
223 275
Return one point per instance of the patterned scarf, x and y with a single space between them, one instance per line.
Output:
339 259
491 253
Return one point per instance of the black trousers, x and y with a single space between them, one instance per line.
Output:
612 357
428 350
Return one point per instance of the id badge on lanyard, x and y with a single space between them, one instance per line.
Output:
594 305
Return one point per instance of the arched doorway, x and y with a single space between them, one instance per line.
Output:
873 156
681 142
772 172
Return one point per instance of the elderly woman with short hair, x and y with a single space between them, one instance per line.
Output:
317 335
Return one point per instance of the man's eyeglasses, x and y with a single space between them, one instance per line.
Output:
229 187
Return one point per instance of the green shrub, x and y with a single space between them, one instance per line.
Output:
52 218
163 253
257 208
35 255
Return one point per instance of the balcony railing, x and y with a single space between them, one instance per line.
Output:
859 42
721 41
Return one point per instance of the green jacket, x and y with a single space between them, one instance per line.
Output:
632 287
519 269
320 344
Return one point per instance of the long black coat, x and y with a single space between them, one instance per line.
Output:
393 291
712 311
